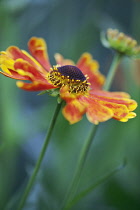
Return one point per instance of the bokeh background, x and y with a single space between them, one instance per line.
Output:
70 28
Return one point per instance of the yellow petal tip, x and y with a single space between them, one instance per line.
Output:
19 84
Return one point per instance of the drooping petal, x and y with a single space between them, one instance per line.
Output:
24 67
116 98
130 115
90 67
38 49
34 86
120 106
110 94
97 112
61 61
34 62
15 75
7 65
15 53
119 110
74 111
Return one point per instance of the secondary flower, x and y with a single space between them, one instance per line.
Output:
121 43
80 85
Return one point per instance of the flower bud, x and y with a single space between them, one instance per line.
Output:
120 42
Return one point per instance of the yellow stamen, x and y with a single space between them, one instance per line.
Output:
70 76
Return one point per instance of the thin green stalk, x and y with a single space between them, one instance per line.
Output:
99 181
41 156
84 152
112 71
78 171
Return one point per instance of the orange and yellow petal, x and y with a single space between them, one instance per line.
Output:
6 62
24 68
15 53
99 106
61 61
38 49
114 94
115 98
34 86
34 62
7 65
16 75
5 70
119 110
130 115
74 111
90 67
97 112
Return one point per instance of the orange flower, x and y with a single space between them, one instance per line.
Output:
80 85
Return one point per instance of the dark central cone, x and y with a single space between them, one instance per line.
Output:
72 71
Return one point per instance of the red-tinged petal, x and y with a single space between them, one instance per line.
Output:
34 62
130 115
15 75
74 111
7 64
27 68
110 94
119 110
61 61
97 112
34 86
38 49
90 67
114 98
15 53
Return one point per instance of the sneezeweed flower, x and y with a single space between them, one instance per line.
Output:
80 85
122 43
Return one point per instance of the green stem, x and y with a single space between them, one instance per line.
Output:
96 184
84 152
112 71
80 165
41 156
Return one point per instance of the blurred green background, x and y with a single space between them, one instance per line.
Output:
70 28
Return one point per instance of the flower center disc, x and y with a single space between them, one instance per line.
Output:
72 72
71 76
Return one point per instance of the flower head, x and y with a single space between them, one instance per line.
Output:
80 85
69 76
121 43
